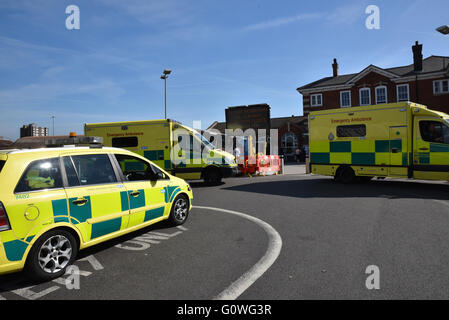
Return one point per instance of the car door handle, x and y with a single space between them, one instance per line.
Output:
135 193
424 149
79 202
394 150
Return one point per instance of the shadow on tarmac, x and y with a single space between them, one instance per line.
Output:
327 188
200 184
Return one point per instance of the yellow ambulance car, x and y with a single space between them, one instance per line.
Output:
56 201
178 149
399 140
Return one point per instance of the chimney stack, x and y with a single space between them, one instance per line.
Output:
417 56
335 68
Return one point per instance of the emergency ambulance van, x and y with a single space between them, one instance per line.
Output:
56 201
399 140
176 148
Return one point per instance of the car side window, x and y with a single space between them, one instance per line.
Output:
41 175
94 169
159 174
135 169
434 131
72 176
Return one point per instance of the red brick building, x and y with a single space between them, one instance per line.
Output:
292 133
426 81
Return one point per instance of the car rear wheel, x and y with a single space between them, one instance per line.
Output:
51 254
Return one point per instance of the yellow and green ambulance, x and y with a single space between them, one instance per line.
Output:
56 201
399 140
176 148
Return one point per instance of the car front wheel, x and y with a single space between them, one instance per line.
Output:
179 210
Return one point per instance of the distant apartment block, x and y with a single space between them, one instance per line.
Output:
32 130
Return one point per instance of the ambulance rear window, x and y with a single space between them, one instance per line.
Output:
125 142
351 131
2 163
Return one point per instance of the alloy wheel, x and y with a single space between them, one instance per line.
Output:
55 254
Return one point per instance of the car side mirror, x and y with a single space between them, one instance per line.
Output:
157 176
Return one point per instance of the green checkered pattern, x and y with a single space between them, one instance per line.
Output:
361 152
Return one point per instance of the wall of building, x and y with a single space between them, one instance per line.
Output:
331 99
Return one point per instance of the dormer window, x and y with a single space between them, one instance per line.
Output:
403 92
345 99
365 96
440 86
381 94
316 100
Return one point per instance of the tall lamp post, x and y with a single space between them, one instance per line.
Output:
53 118
164 77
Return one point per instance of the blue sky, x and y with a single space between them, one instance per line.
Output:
222 53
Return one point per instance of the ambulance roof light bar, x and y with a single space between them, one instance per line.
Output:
73 140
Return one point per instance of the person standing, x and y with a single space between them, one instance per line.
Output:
237 153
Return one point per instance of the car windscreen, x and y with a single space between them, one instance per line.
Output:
204 141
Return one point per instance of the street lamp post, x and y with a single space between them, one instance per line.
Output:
164 77
53 118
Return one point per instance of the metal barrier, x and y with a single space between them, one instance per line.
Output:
262 165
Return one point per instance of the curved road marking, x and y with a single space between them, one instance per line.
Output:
249 277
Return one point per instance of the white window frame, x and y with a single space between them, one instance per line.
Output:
341 99
440 83
397 92
360 96
316 104
386 94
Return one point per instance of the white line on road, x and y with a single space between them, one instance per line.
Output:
436 200
442 202
248 278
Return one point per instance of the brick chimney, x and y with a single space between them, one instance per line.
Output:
417 56
335 68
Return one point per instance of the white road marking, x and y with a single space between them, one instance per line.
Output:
248 278
27 293
435 200
62 280
93 262
145 241
442 202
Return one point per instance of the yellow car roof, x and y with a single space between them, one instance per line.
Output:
54 152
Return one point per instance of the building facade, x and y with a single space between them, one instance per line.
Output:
426 81
32 130
291 133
